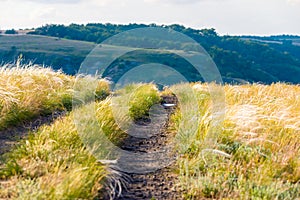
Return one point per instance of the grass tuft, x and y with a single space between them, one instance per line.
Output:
28 91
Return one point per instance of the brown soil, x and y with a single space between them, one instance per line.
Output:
158 184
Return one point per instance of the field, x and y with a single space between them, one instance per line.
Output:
255 155
50 51
44 44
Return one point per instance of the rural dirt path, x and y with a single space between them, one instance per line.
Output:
162 183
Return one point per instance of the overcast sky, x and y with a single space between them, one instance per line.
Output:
234 17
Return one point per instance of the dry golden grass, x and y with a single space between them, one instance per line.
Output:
258 151
257 154
29 91
52 164
60 161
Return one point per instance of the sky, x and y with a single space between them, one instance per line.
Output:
232 17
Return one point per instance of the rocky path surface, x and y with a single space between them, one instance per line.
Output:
154 183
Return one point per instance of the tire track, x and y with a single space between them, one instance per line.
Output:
10 136
162 183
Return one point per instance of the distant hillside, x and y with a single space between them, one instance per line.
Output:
55 52
284 43
254 59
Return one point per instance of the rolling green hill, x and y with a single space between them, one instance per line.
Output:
248 58
55 52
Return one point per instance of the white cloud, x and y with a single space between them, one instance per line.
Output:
55 1
45 13
181 2
293 2
174 1
74 2
227 16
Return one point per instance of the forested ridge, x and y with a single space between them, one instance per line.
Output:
249 58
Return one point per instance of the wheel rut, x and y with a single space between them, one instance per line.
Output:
160 183
10 136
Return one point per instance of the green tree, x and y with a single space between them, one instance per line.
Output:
11 31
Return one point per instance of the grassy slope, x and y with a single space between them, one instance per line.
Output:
258 153
53 163
44 44
237 59
51 51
